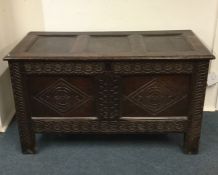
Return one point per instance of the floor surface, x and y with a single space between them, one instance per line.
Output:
111 155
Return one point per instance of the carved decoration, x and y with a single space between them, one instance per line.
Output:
94 68
73 126
63 68
27 136
108 99
155 96
192 136
62 97
152 67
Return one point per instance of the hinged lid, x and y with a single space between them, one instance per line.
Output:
110 45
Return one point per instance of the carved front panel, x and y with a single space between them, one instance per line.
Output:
155 95
108 97
61 96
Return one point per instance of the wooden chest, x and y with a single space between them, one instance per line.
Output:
108 83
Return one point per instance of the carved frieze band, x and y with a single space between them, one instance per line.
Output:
63 68
119 67
108 97
109 126
25 130
152 67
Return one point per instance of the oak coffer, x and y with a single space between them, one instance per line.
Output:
109 83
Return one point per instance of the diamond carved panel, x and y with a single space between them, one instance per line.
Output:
62 97
155 96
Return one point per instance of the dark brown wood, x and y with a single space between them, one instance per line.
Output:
138 45
198 88
27 136
109 82
109 127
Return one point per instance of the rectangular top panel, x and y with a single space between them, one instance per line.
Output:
179 44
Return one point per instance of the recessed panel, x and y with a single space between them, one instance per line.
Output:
155 95
163 43
61 96
108 44
52 44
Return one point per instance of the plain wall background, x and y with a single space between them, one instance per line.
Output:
17 17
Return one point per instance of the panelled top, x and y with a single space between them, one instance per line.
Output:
179 44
